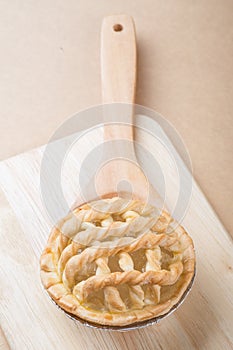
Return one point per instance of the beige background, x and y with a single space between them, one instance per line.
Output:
49 70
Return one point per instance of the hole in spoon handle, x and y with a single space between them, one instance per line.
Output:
118 27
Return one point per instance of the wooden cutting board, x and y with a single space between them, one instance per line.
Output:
30 321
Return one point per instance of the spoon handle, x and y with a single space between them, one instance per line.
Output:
118 73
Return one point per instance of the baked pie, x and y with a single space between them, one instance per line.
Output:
117 261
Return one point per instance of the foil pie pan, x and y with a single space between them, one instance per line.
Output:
132 326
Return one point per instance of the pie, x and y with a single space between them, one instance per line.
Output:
116 262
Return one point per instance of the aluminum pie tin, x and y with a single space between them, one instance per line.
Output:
132 326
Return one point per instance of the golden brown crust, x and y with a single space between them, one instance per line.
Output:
91 269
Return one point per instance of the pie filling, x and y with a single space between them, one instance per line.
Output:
116 262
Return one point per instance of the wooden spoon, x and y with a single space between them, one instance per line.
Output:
121 174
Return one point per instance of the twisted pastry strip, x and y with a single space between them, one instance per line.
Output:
70 250
149 240
162 277
113 300
116 229
117 205
79 225
69 227
153 264
136 293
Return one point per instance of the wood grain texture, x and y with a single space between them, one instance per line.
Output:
3 342
29 319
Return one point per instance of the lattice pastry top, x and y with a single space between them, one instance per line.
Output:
116 262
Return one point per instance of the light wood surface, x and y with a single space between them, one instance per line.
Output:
29 319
